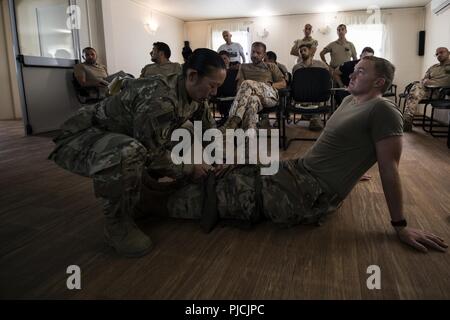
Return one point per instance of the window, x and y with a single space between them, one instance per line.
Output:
43 28
241 37
366 35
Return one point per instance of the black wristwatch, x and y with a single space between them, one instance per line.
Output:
400 223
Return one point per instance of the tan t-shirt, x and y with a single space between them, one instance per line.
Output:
314 64
346 148
262 72
439 74
92 71
165 69
340 52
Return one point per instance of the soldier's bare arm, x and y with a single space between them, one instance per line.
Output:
294 49
322 55
388 156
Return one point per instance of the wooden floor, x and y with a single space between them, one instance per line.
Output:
50 220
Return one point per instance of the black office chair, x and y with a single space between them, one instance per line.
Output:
225 95
279 111
441 103
83 94
391 92
404 95
309 85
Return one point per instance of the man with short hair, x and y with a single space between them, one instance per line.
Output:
272 58
91 75
306 55
342 74
226 58
340 50
233 48
258 84
162 65
306 51
365 130
307 31
437 75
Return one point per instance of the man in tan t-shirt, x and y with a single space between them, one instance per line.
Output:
162 65
258 84
340 50
307 31
437 75
91 75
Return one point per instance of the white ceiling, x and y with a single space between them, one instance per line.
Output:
192 10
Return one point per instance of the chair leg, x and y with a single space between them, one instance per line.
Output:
424 117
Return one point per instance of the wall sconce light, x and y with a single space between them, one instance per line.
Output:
263 34
325 30
151 26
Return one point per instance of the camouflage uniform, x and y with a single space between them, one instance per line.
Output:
417 93
290 197
437 75
251 98
114 141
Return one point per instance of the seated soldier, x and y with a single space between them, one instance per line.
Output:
272 58
258 85
94 78
162 65
91 76
225 57
438 76
306 55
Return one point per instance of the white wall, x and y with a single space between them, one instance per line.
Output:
437 35
127 42
92 33
283 30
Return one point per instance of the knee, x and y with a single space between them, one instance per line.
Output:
247 84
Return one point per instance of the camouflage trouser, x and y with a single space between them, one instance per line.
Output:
417 93
251 98
114 161
290 197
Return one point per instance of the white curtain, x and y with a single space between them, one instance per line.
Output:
369 24
238 29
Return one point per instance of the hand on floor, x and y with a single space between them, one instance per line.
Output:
420 240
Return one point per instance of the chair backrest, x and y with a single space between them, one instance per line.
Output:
229 86
289 79
409 87
311 85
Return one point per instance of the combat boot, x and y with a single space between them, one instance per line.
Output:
123 235
407 123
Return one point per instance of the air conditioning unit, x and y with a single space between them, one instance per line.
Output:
439 6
